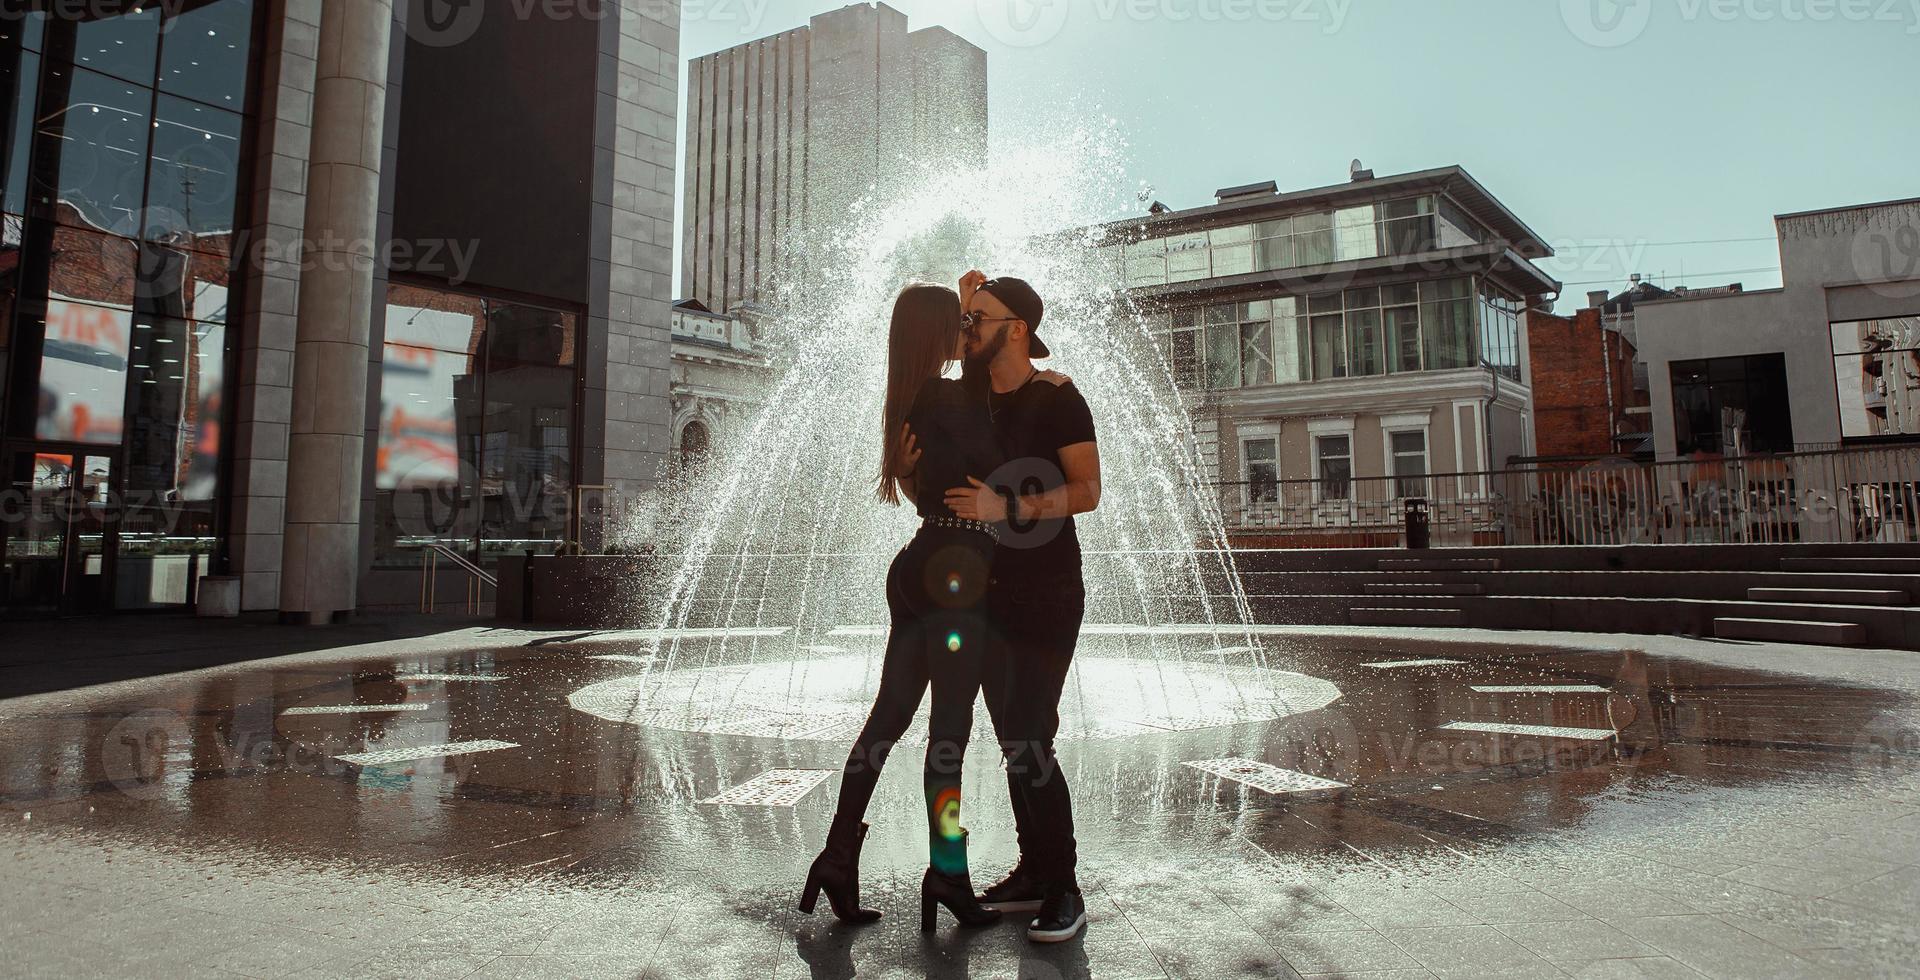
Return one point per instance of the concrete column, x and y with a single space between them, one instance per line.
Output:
324 444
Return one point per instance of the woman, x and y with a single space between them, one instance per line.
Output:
935 592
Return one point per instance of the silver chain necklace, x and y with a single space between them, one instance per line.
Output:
993 414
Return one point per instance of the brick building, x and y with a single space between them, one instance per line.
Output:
1585 401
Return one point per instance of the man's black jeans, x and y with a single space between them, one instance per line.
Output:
1036 625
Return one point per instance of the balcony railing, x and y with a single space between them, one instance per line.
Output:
1850 495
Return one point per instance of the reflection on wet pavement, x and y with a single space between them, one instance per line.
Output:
1381 803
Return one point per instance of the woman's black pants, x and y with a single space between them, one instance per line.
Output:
936 592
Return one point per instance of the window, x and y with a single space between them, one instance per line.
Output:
1333 458
1313 242
1407 462
1188 258
120 158
1876 370
95 147
1232 250
1456 229
1260 466
1500 332
1273 245
1289 344
1731 405
1403 336
1360 332
1446 323
1256 352
1356 233
1183 349
476 425
1407 226
83 372
1147 263
193 176
694 446
1223 347
1329 347
20 87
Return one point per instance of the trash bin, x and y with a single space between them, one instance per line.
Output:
219 597
1418 523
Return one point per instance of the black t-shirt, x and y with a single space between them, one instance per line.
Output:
1033 424
955 438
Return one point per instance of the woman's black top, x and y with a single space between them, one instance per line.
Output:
955 436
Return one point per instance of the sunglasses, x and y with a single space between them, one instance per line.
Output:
972 321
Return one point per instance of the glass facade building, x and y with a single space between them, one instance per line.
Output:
166 345
123 151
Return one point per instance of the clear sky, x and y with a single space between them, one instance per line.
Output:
1650 136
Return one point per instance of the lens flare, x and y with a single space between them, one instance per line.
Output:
953 641
946 809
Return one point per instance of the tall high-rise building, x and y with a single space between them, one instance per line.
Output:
786 133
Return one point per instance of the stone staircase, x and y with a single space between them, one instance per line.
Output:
1436 613
1854 595
1820 630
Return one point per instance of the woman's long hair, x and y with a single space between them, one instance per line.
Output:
920 343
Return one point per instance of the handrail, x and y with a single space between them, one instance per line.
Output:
1860 494
461 560
430 576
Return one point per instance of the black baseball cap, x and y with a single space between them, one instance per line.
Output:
1025 304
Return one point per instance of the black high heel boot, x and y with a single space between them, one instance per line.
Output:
956 893
837 872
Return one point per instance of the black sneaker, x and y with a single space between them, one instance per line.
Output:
1017 892
1062 915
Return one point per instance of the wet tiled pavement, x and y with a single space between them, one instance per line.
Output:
1714 809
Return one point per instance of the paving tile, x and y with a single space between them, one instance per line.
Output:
1494 909
1894 890
1469 951
1378 975
1802 882
543 966
1343 952
1581 939
1632 968
1603 901
1714 947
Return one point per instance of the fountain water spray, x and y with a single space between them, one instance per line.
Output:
783 530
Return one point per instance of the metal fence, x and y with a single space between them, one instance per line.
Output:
1850 495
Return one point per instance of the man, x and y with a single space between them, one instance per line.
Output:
1036 596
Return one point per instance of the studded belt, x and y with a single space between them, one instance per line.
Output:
961 524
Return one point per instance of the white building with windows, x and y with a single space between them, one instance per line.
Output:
1340 346
720 373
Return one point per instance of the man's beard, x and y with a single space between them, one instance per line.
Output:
975 367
